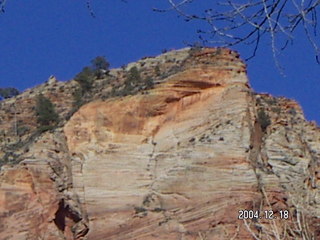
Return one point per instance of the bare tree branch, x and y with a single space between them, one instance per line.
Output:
233 22
2 3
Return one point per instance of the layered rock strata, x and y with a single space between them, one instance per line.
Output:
175 162
180 161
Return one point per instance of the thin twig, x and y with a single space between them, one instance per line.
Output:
230 23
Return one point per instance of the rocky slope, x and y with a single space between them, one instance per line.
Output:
174 162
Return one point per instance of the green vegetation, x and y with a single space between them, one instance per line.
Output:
157 70
85 79
133 84
9 157
8 92
77 98
263 119
132 81
46 114
78 101
271 101
14 150
134 75
149 82
100 66
98 69
292 111
195 49
22 130
276 110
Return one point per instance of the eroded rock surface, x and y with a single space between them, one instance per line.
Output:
180 161
174 162
36 197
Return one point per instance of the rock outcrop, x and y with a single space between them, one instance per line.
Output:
178 161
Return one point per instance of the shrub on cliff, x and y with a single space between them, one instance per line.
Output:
77 98
133 76
157 71
263 119
8 92
85 79
100 66
46 114
132 81
149 82
78 101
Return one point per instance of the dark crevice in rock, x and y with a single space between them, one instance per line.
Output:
66 214
60 216
196 84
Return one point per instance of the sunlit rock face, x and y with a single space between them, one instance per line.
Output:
174 162
177 162
25 196
36 197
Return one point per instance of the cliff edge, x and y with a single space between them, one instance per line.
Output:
197 156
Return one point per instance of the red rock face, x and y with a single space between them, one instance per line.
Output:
176 162
28 204
36 201
170 164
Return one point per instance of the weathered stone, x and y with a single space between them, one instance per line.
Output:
52 80
177 162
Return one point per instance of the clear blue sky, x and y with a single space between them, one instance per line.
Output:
40 38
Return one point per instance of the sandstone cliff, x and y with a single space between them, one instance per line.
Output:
174 162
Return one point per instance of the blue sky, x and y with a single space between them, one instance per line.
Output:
40 38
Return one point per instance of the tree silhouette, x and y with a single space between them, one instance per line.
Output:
100 66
